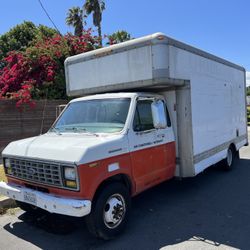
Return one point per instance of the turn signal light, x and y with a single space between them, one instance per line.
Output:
70 184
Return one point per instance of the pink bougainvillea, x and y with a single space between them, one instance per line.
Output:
24 75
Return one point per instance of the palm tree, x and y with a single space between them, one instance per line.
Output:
96 7
119 37
75 18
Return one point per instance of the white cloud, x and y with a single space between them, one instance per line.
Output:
248 78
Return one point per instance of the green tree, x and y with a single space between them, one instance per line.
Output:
21 37
248 91
118 37
75 18
95 7
18 38
45 31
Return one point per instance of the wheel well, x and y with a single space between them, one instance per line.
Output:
232 145
122 178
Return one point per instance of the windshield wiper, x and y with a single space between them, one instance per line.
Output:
54 129
81 130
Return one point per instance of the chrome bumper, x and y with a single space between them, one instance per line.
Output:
48 202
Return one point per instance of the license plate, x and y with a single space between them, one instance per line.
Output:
30 198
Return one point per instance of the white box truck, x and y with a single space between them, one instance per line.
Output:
171 110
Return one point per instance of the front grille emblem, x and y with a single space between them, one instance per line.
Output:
31 171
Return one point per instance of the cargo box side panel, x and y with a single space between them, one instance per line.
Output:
220 119
218 107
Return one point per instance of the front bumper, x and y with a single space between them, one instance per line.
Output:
48 202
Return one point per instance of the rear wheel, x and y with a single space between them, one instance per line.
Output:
109 212
229 161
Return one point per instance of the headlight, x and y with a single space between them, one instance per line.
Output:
69 173
7 163
7 166
70 176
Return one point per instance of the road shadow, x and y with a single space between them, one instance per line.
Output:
213 207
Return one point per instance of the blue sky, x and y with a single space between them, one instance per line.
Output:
220 27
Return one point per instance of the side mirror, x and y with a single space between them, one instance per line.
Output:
159 114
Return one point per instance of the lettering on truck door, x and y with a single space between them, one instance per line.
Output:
152 150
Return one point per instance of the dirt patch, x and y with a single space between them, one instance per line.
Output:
9 211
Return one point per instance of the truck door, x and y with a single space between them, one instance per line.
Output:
152 150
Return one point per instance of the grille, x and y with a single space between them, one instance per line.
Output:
39 172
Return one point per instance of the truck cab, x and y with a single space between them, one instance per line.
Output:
121 138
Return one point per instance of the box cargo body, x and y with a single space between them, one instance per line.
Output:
204 93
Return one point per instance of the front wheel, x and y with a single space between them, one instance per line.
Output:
109 212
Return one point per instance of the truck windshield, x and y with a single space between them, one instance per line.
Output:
94 116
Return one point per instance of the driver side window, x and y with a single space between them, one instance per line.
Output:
143 119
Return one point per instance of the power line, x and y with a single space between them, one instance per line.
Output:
49 17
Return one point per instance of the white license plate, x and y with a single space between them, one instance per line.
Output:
30 198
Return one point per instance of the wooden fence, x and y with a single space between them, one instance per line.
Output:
16 124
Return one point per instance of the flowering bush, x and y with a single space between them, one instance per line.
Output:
38 72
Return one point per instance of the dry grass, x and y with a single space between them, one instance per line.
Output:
9 211
2 175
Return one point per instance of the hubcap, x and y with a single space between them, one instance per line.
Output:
114 211
229 157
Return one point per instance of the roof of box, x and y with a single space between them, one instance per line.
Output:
156 38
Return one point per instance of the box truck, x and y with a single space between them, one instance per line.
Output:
151 108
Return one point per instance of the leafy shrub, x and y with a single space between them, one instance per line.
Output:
38 71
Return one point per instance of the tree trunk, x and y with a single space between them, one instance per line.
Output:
100 34
78 29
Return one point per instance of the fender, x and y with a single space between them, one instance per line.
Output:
91 175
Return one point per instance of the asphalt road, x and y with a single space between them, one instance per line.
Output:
210 211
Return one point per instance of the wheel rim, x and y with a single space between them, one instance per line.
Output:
114 211
229 157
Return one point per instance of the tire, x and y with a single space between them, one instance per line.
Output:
110 211
29 208
229 161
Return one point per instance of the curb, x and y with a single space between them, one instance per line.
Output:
6 202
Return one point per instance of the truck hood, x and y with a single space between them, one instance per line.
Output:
73 147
